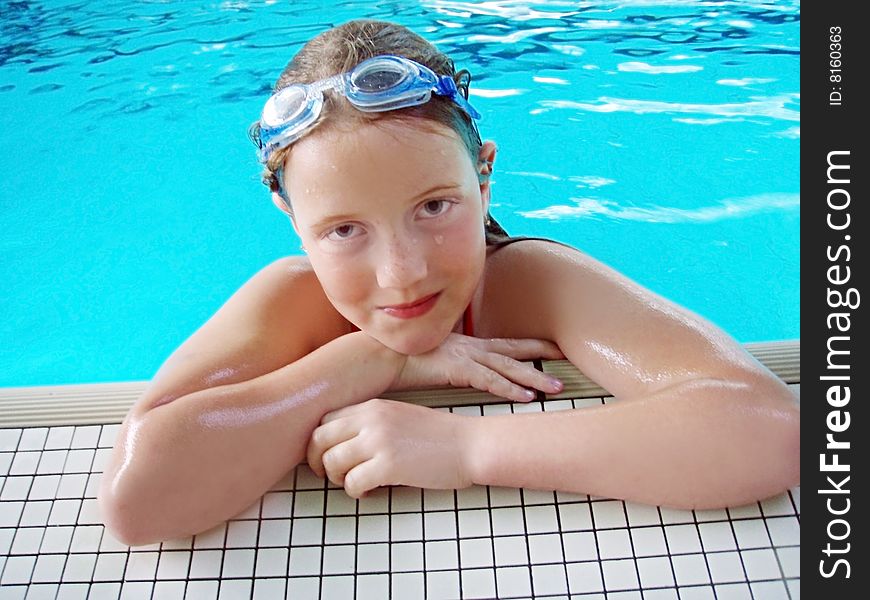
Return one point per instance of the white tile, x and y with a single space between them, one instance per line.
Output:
6 537
541 519
274 532
580 545
507 521
655 572
725 567
212 538
90 513
373 528
35 513
306 504
620 574
511 551
307 531
303 587
16 488
51 462
682 539
662 594
733 591
173 564
79 567
475 553
442 555
794 588
496 409
205 564
44 487
406 527
642 514
514 581
545 548
438 500
242 534
674 516
751 534
648 541
777 506
10 513
760 564
585 577
747 511
272 562
472 497
784 531
86 538
9 439
42 591
64 512
478 583
57 539
339 503
49 568
169 590
407 557
614 543
338 559
790 558
79 461
111 566
532 497
277 505
503 496
33 438
6 459
407 586
304 561
340 530
268 589
27 540
609 513
697 593
141 566
86 436
769 590
136 590
406 499
575 517
717 536
796 498
438 525
625 595
373 586
377 501
238 563
549 579
235 589
24 463
108 435
474 523
18 569
442 585
202 590
690 569
372 557
714 514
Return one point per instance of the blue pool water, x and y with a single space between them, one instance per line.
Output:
659 137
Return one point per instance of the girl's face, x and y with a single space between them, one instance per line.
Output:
391 216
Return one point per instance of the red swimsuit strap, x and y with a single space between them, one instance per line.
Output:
467 322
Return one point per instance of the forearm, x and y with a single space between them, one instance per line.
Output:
701 444
183 467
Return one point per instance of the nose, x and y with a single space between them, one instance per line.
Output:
401 263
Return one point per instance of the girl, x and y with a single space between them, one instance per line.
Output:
370 146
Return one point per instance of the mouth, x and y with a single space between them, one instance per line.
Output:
413 309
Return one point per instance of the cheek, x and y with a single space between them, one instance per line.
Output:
344 282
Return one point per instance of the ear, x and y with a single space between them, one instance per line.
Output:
284 207
485 161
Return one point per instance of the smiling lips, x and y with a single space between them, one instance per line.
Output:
412 309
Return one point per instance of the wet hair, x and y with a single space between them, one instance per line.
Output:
341 48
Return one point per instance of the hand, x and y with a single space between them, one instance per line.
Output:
383 442
490 365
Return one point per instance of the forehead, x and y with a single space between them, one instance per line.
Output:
383 159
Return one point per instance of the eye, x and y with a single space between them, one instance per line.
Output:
434 208
342 232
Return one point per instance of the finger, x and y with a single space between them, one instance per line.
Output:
363 478
490 380
352 409
325 437
524 348
523 374
340 459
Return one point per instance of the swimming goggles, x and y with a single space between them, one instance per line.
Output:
377 84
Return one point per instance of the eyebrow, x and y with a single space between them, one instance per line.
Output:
331 219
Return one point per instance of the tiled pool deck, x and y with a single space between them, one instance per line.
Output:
307 539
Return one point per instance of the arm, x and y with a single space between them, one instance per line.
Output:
698 422
184 466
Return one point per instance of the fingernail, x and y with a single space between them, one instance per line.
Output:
530 395
555 384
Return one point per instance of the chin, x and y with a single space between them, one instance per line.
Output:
414 345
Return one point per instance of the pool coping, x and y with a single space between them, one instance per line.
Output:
105 403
